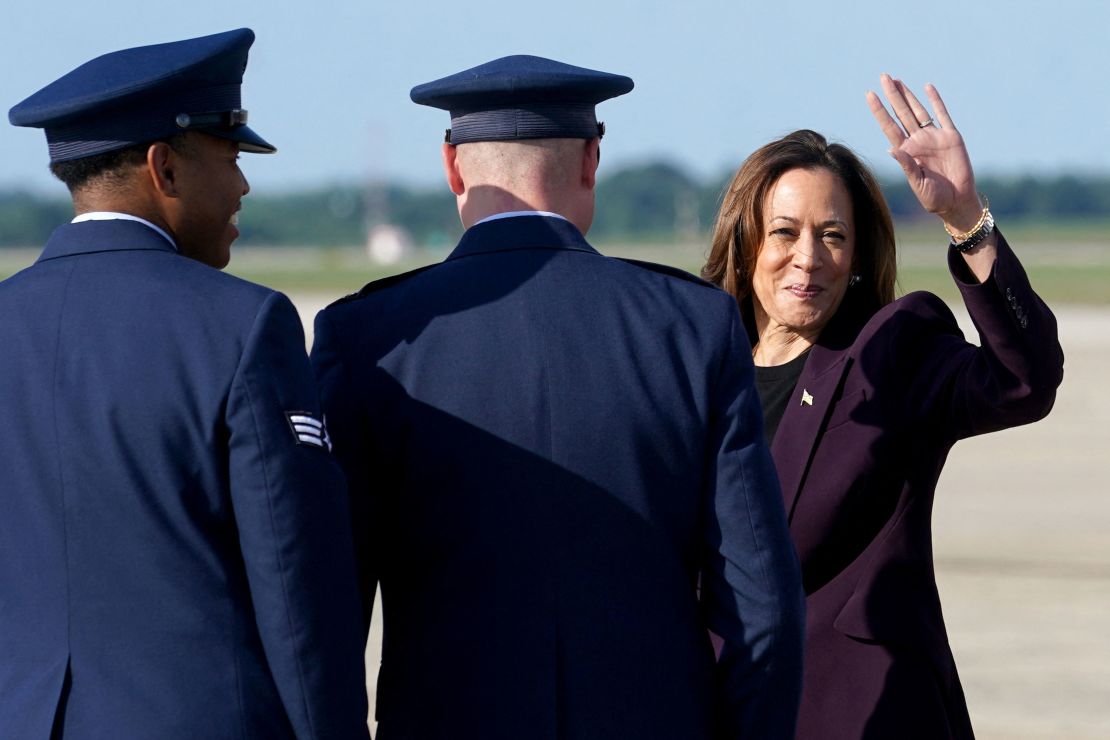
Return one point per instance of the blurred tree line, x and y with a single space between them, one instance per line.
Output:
652 202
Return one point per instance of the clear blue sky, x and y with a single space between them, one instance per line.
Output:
328 81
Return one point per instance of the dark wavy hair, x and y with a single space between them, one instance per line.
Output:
738 234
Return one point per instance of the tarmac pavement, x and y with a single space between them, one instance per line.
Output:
1021 528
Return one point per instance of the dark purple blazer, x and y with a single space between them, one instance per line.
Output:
888 393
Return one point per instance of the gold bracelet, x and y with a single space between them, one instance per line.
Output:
957 238
973 241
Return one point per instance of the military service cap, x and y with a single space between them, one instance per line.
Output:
145 94
522 97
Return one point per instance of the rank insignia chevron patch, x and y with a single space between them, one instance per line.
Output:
308 430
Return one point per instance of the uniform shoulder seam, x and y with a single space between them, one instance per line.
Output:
669 271
381 284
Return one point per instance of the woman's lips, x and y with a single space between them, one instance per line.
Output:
805 291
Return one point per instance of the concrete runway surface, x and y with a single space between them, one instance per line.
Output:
1022 549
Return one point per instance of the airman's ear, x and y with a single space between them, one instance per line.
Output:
161 160
591 158
451 169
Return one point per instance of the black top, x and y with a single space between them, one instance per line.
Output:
775 385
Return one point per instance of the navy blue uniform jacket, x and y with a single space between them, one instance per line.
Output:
892 392
546 448
173 564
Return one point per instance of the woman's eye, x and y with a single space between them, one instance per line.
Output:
834 235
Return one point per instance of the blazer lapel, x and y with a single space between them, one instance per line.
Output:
804 419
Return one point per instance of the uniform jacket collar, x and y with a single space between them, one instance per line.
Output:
87 237
521 232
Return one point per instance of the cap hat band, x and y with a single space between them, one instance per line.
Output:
525 121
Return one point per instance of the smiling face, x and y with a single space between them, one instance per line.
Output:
805 260
211 187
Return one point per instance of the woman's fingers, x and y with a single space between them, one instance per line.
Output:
891 129
938 106
908 164
897 100
920 114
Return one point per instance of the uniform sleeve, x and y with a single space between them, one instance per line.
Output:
342 403
751 584
1010 379
294 532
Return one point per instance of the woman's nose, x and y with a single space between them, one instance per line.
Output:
807 253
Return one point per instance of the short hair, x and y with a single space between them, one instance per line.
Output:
551 161
738 234
108 168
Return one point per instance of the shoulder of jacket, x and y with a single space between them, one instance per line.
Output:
920 303
669 271
376 286
904 324
232 288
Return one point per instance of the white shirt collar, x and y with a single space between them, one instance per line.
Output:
113 216
513 214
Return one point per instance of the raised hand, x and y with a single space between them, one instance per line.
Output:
933 157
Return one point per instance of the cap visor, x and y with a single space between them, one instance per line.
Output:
248 140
